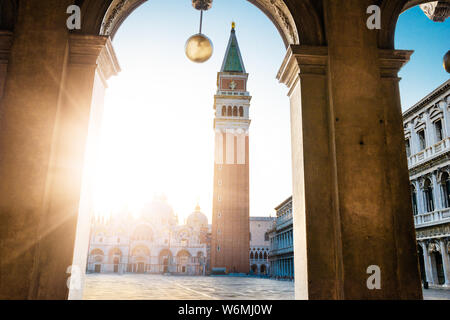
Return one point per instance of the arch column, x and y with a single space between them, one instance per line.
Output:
6 40
347 129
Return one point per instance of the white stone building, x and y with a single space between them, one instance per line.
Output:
260 244
152 243
281 237
427 139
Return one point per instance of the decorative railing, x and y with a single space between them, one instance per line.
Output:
429 153
430 218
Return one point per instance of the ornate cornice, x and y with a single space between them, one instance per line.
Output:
118 11
391 61
440 91
437 231
444 157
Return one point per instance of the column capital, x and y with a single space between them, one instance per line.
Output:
6 40
97 51
391 61
301 60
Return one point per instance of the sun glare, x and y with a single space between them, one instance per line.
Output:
157 129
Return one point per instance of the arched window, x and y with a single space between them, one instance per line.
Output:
265 255
260 255
230 111
414 199
224 111
428 196
445 183
241 112
235 112
251 255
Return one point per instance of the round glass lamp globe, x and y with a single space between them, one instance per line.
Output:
199 48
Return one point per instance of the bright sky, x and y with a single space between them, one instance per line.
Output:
158 124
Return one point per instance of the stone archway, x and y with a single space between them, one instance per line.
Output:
333 67
106 18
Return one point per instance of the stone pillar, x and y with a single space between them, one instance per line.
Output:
433 268
6 40
46 106
405 243
430 136
445 261
347 130
426 262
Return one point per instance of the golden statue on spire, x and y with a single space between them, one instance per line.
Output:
233 25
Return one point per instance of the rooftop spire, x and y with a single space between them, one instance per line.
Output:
233 59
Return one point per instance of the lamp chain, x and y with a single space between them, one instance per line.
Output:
201 21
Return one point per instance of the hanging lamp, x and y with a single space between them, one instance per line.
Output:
199 47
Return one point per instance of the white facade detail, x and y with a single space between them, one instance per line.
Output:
427 141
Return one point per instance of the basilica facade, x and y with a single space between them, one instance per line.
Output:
153 242
427 139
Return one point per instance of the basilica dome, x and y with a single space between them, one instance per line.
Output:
159 211
197 219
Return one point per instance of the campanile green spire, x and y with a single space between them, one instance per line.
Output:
233 59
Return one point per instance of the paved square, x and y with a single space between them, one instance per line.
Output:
159 287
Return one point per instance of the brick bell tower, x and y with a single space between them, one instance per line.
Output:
230 241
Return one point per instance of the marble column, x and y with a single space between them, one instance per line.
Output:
436 192
426 262
445 261
419 197
87 53
347 129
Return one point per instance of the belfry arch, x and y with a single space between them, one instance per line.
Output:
346 126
